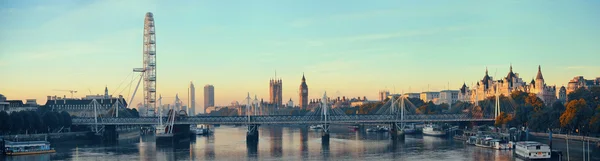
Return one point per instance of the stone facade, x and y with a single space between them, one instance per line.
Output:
488 87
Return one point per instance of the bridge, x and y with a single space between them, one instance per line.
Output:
394 113
283 119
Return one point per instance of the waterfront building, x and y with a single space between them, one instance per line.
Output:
430 96
413 95
562 94
17 105
192 100
275 92
303 94
580 82
488 87
209 96
448 96
360 103
84 107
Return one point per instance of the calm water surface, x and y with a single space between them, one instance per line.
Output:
276 143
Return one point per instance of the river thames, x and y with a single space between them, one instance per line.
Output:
282 143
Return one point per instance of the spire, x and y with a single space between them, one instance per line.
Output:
511 67
303 79
105 92
486 71
539 74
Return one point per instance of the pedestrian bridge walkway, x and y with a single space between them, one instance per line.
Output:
283 119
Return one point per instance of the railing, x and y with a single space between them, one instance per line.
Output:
282 119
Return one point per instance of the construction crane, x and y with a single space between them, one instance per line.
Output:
71 91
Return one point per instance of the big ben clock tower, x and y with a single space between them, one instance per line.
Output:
303 93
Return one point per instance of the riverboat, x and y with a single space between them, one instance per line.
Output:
27 148
532 150
433 130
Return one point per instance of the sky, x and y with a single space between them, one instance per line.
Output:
345 48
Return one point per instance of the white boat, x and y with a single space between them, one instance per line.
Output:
532 150
433 130
471 140
316 127
485 142
200 130
378 129
500 145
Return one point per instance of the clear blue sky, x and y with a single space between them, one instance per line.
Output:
350 48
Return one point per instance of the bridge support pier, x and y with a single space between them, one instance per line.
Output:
252 134
110 133
325 135
396 131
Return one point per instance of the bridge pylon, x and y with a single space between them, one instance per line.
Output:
325 115
397 127
252 133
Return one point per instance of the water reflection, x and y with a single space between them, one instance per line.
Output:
275 136
277 143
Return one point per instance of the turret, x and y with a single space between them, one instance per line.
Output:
105 92
539 79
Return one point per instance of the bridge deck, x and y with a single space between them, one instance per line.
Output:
282 119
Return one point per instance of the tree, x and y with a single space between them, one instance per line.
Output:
27 121
595 121
17 122
554 115
535 102
135 113
50 120
522 115
429 108
519 96
66 119
576 114
539 120
37 121
5 122
503 119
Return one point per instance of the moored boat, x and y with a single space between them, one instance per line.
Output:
532 150
471 140
433 130
27 147
485 142
409 129
316 127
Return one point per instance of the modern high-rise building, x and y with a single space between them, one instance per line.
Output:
192 98
303 94
275 92
209 96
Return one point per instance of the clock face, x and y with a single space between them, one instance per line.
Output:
304 91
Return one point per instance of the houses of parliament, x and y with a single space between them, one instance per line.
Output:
276 94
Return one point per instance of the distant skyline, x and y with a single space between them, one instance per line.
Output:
347 48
